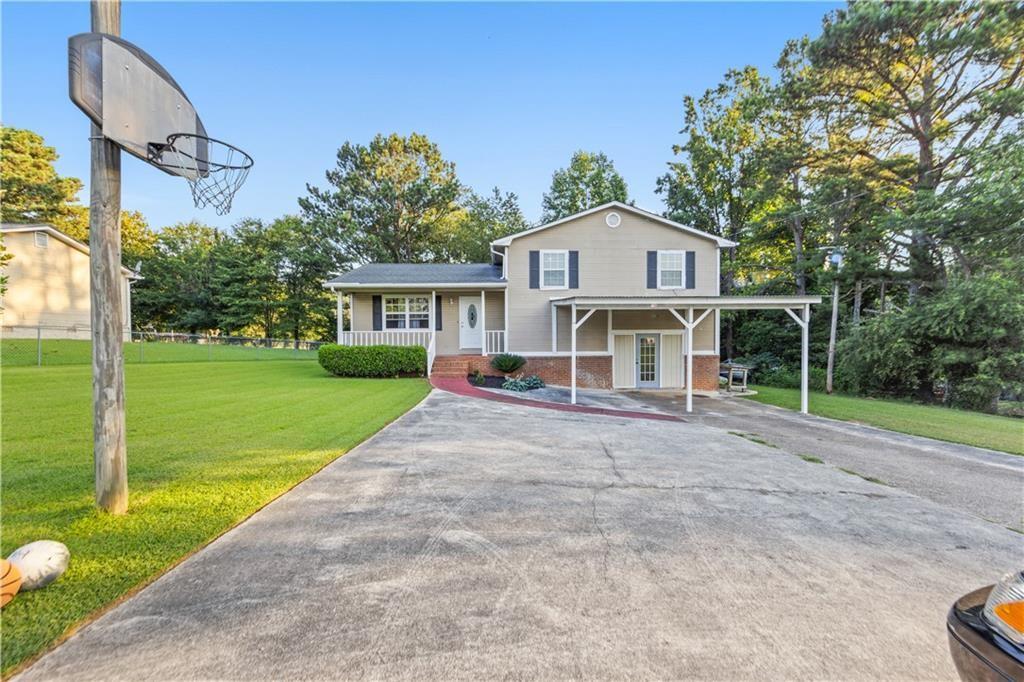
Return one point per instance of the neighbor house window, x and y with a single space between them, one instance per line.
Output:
554 269
670 269
407 312
42 239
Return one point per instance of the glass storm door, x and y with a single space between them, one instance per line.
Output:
469 322
647 360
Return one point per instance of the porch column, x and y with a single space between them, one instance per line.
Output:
805 333
483 322
689 359
341 314
573 351
433 314
554 329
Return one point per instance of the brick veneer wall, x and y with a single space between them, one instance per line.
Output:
594 371
705 372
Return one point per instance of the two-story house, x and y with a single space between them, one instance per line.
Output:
613 297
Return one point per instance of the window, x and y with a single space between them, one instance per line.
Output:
42 239
407 312
670 269
554 269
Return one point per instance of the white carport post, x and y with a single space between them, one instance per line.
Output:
689 359
804 320
575 326
573 352
689 324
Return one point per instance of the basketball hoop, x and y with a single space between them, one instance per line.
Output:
215 170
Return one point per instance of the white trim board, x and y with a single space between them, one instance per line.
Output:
617 205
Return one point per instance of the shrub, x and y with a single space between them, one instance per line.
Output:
789 377
520 384
507 362
967 339
514 384
533 381
373 361
478 378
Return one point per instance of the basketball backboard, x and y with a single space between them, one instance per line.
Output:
133 99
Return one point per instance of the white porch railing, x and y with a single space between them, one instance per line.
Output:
388 337
495 342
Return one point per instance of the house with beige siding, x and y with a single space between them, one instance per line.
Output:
614 297
48 284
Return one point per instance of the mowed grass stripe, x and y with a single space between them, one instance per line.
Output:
941 423
209 443
55 352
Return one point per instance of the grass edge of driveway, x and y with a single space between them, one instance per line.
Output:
962 427
229 471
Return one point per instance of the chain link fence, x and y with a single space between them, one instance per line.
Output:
25 346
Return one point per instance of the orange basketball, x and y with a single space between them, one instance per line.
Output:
10 581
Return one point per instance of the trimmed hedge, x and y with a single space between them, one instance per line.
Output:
373 361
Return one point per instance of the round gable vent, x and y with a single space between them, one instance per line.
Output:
613 220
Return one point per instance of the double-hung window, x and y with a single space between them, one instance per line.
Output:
671 265
554 269
407 312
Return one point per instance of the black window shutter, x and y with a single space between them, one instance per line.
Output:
535 269
574 269
377 321
691 274
437 313
652 269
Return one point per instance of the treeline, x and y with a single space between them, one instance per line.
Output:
395 199
894 140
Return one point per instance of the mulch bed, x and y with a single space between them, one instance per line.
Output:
489 381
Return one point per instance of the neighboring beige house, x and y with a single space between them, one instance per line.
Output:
48 284
613 297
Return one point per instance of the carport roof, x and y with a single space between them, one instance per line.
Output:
720 302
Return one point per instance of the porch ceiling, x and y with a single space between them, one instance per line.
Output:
655 302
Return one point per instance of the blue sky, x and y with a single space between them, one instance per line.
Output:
508 91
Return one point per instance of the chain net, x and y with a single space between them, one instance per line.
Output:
215 170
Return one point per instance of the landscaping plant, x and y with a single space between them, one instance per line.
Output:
507 362
373 361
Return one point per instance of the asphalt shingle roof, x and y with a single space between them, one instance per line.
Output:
420 273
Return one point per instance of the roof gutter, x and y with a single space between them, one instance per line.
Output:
344 286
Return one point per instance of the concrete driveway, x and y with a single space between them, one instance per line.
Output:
983 482
474 539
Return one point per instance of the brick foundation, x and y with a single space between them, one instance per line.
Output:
592 371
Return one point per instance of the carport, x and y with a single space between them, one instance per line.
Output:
682 308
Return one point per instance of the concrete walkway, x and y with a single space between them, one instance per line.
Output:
474 539
605 406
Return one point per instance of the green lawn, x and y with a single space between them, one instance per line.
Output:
208 444
24 352
942 423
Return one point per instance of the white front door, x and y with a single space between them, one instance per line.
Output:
469 322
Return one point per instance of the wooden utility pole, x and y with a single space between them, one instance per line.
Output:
830 369
107 301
